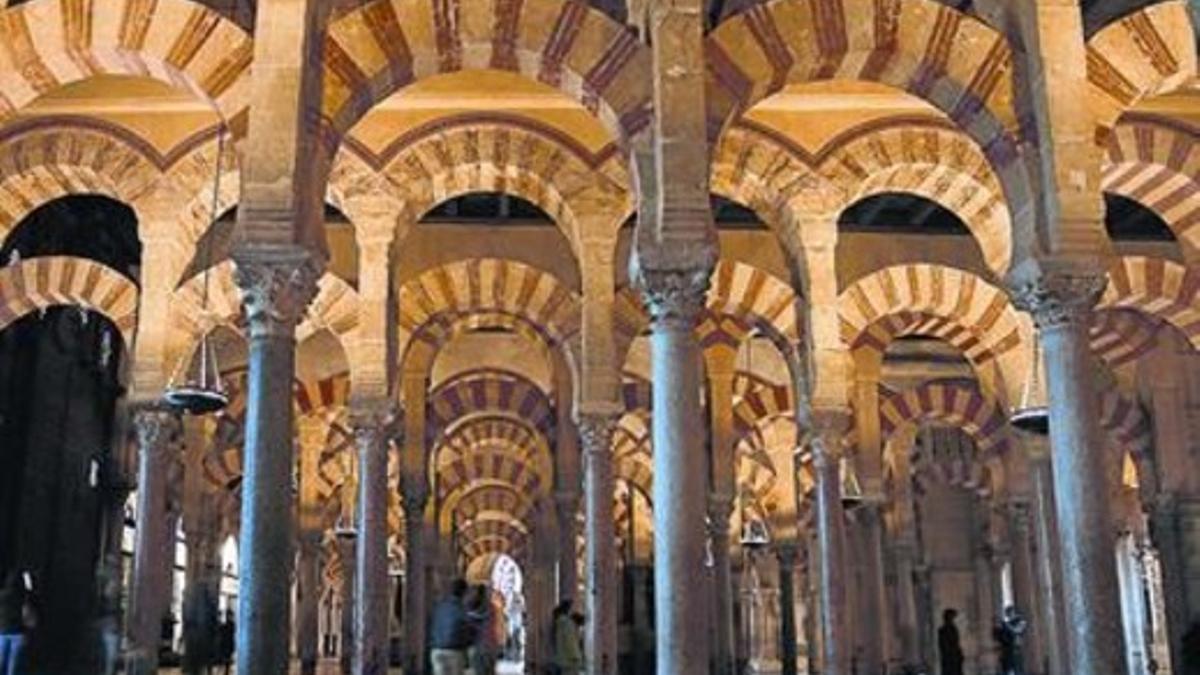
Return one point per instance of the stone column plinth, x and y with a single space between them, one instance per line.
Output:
826 441
276 289
149 598
1061 303
674 300
600 629
370 655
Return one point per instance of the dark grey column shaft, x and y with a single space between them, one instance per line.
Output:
346 551
831 542
675 299
149 597
372 598
600 629
1049 574
308 594
1061 307
275 290
415 576
719 512
786 554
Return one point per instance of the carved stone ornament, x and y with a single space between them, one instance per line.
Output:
674 298
373 425
155 426
828 432
1058 299
276 290
596 432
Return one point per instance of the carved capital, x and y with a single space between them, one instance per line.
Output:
720 510
788 553
1057 299
373 425
674 298
596 432
827 435
155 426
276 290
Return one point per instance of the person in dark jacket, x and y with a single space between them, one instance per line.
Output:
949 645
226 638
15 613
450 633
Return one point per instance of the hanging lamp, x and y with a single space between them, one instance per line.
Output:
852 493
205 394
1032 414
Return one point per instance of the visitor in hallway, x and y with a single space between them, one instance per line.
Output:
1010 634
16 617
226 637
487 621
450 633
949 646
568 650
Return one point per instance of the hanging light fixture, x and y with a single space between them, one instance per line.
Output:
1032 415
852 493
204 394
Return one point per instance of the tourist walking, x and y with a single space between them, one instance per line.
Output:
226 637
1010 634
949 645
568 650
450 634
16 618
487 621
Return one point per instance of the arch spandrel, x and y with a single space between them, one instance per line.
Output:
382 46
181 43
955 62
1148 52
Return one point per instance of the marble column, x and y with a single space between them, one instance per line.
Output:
826 441
600 629
1024 575
1049 575
786 555
1163 517
720 509
907 624
675 299
149 598
308 599
875 622
1061 303
416 588
566 505
347 545
276 288
372 598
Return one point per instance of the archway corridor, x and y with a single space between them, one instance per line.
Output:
717 337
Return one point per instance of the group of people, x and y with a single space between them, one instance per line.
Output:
1009 634
467 631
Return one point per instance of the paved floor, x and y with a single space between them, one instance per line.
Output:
332 667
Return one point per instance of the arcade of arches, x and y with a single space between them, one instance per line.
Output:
710 315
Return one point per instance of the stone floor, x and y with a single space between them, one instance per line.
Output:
331 667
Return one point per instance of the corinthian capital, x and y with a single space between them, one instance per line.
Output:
373 422
674 298
596 432
1057 298
276 289
827 434
154 426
